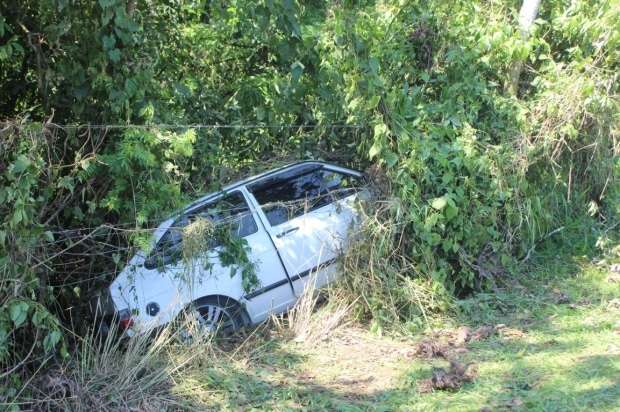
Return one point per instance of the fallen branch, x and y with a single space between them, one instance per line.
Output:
547 236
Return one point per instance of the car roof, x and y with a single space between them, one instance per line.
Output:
271 172
254 178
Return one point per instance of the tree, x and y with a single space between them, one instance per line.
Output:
527 15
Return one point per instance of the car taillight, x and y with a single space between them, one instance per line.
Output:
124 319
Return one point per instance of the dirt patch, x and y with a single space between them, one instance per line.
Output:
366 364
57 386
460 336
614 304
446 344
464 335
482 333
613 277
509 333
428 349
448 379
560 297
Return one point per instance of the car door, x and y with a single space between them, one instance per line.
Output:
308 212
193 270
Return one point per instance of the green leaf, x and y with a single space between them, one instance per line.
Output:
375 149
374 65
17 217
147 111
131 87
51 340
18 312
297 70
439 203
115 55
434 239
381 130
108 42
391 158
374 101
451 211
38 317
431 221
67 182
106 3
20 164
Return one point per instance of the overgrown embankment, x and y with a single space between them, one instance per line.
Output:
181 99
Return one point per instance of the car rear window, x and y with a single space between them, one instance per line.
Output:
231 210
288 197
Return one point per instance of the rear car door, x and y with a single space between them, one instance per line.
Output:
187 263
309 211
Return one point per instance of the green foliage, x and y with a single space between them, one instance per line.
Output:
232 252
479 176
478 172
146 169
235 254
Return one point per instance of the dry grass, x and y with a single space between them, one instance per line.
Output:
307 324
356 364
112 374
377 272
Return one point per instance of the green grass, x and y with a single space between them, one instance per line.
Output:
556 347
560 357
550 356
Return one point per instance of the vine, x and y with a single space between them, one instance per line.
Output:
200 238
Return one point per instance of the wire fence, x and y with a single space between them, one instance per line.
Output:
74 256
74 250
197 126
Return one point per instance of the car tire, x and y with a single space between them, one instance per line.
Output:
218 314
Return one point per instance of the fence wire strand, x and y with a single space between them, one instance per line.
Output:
201 126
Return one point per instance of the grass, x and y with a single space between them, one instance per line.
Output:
557 348
552 356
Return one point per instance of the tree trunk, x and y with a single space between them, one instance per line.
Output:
131 7
527 15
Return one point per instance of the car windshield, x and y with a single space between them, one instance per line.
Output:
285 197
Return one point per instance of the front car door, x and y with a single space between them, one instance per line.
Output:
308 211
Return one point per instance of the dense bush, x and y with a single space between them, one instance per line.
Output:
476 175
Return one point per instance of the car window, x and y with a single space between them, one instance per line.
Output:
287 198
231 210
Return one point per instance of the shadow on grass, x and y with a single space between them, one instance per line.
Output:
557 358
269 382
564 356
591 383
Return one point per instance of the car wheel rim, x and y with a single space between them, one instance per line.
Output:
213 318
208 321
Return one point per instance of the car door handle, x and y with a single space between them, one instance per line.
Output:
286 232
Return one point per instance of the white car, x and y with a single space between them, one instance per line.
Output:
295 222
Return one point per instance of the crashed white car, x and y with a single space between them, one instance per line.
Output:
295 222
